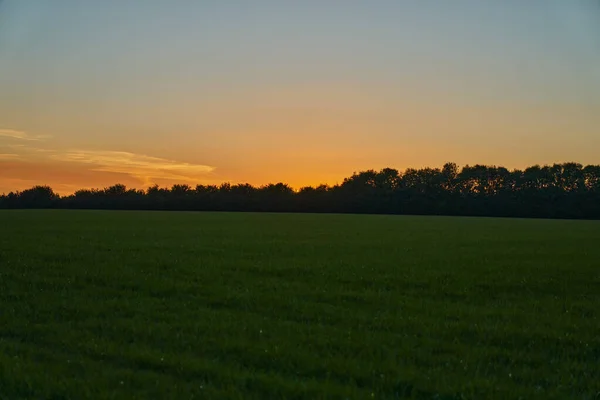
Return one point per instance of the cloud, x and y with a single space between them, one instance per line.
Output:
145 168
8 156
21 135
64 177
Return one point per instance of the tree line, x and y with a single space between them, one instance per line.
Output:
567 190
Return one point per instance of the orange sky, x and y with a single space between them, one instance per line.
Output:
104 93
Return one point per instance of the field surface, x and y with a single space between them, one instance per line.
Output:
148 305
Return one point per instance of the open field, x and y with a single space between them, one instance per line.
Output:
141 305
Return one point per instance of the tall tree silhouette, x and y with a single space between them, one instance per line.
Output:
567 190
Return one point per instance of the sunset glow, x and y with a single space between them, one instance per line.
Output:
143 92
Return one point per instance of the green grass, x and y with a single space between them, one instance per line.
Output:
146 305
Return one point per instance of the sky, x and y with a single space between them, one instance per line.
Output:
143 92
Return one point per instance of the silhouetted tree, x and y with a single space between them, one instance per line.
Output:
36 197
567 190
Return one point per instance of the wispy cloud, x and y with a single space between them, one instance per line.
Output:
21 135
145 168
9 156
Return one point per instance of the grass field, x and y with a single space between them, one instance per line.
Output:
146 305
